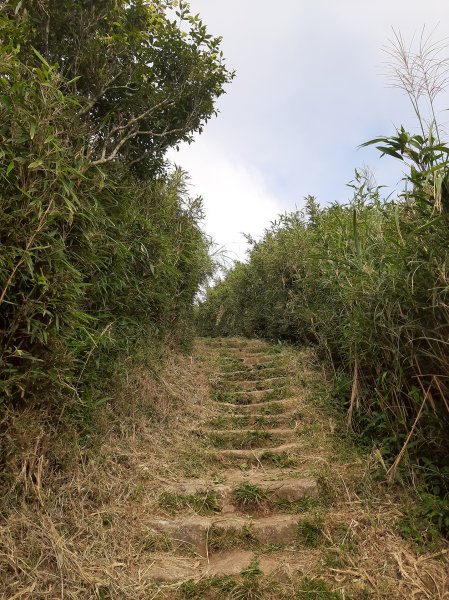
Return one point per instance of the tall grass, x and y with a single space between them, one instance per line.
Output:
368 283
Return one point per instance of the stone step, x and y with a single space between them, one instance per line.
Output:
260 361
230 420
253 386
253 374
241 353
257 419
284 453
236 344
280 567
270 407
249 438
254 351
169 569
248 363
273 431
243 397
207 535
260 394
237 352
255 396
271 483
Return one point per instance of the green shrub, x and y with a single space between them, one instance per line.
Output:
46 195
424 523
101 250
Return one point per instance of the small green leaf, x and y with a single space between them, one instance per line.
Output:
40 57
389 151
10 167
35 164
74 79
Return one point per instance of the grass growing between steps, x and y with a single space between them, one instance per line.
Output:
250 497
272 409
246 440
150 541
284 459
250 385
229 365
253 500
268 421
231 397
277 393
310 532
229 421
252 374
244 398
251 586
220 540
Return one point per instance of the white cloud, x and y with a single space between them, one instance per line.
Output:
309 90
236 199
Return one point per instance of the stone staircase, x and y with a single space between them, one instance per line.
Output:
249 510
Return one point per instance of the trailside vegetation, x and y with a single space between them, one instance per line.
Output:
368 283
101 248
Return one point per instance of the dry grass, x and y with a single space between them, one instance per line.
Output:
362 548
78 529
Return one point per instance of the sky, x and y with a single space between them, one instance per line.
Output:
310 87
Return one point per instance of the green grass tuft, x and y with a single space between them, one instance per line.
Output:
202 502
249 496
310 532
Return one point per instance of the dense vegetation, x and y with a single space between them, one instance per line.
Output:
367 282
100 244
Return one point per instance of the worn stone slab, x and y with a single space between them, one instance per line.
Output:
194 532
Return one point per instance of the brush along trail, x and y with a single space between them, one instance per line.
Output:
275 512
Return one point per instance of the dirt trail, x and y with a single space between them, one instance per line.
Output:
254 433
226 475
281 511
